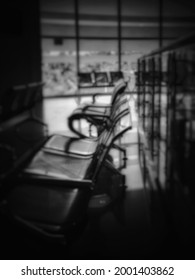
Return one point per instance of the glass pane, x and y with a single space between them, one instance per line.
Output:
131 51
55 29
98 18
139 19
178 8
59 6
98 55
178 18
59 67
139 30
139 8
57 18
98 29
100 7
167 42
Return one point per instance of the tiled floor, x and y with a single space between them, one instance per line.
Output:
125 232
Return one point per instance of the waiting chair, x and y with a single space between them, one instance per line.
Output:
50 195
85 79
97 114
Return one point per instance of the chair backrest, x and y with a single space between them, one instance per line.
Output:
6 159
101 79
115 131
118 90
19 98
12 101
85 79
115 76
34 94
27 102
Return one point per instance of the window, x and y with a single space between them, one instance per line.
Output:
98 55
59 67
101 41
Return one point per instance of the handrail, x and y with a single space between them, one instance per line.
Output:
181 42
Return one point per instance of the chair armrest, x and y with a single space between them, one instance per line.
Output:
7 158
98 105
123 150
92 118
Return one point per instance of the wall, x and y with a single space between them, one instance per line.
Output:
20 51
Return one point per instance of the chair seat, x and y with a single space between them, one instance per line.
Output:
64 144
46 206
58 166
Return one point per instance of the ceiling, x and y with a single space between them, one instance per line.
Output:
60 14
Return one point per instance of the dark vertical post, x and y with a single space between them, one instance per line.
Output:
77 38
144 92
160 84
160 23
139 102
152 91
77 48
38 34
119 34
119 45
